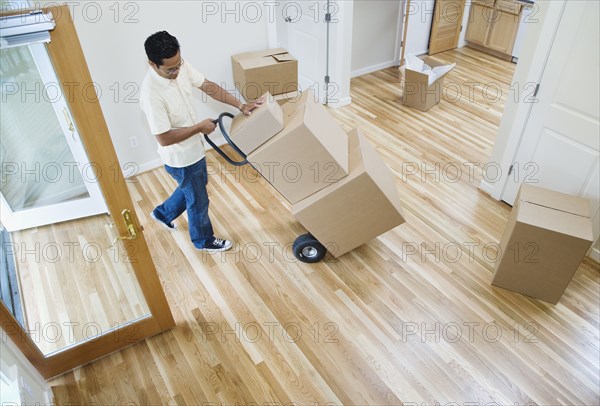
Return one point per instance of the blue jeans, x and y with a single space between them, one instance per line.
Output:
191 195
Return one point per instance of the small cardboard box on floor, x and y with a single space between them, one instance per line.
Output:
310 153
273 70
250 132
547 236
423 81
356 209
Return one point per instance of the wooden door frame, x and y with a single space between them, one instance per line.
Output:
88 116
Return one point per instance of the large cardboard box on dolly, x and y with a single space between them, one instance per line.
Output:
357 208
547 236
273 70
310 153
250 132
422 86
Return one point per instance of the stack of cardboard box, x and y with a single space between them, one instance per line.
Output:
340 189
310 153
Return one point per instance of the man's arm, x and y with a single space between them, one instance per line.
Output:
218 93
180 134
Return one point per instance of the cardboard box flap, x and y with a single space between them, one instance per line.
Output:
259 54
255 63
372 161
293 115
354 152
260 59
318 120
556 220
292 105
241 120
286 57
415 69
554 200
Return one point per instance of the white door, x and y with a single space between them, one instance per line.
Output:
561 142
46 175
302 30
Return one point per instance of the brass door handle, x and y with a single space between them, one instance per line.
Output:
131 229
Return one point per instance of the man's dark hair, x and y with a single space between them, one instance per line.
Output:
161 45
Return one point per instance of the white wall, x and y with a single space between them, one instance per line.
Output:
374 35
112 36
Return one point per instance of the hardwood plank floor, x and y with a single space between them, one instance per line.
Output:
408 318
72 286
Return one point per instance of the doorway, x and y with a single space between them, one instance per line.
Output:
89 286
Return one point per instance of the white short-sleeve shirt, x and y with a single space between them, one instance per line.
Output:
169 104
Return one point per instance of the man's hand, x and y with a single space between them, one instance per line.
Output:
247 108
206 126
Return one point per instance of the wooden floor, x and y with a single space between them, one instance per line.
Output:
409 318
73 284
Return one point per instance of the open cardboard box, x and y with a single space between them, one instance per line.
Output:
357 208
420 92
310 153
250 132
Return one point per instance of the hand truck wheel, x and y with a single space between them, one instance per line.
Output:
308 249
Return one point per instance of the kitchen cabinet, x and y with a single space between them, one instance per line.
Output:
493 25
503 32
479 24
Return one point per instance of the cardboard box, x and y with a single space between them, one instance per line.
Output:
274 71
358 208
547 235
311 152
285 97
419 93
250 132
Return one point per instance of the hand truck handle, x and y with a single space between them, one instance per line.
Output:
219 121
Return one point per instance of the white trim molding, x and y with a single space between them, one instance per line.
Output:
537 45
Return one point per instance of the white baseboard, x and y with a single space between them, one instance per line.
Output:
594 254
341 103
157 163
373 68
486 187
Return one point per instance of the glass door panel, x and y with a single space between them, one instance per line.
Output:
46 176
73 283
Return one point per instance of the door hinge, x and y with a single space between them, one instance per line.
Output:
327 79
510 170
461 27
328 17
537 89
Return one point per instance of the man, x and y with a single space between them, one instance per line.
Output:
167 100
